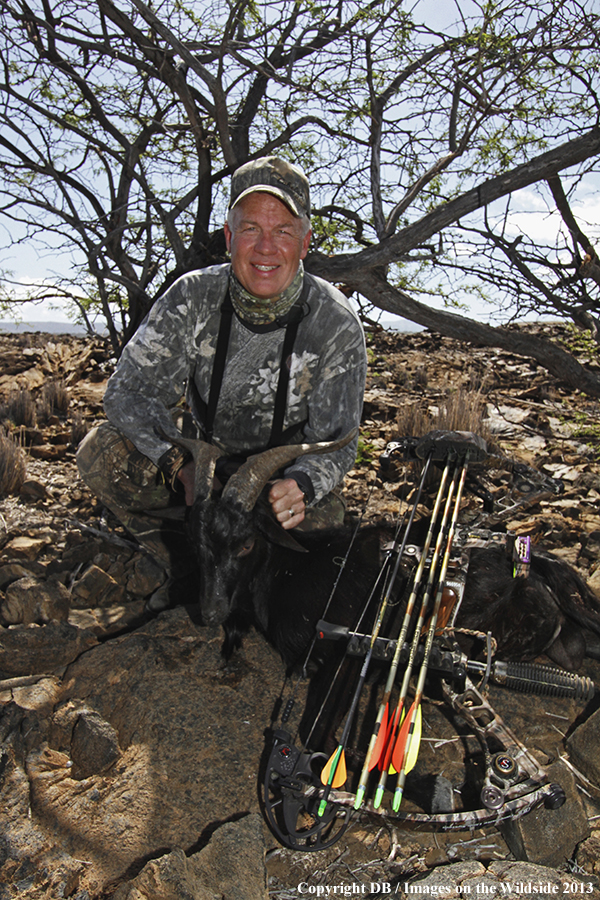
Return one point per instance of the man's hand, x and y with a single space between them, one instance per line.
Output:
186 476
287 502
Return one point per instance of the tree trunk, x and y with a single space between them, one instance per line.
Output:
557 361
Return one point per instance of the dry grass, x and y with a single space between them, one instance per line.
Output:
13 467
19 409
54 400
462 411
79 430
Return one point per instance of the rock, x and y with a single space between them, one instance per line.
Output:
96 588
29 861
588 854
80 552
29 709
12 572
190 731
583 745
61 437
549 837
94 745
33 649
501 878
30 600
233 861
33 490
568 554
594 581
48 452
457 880
39 697
171 877
24 547
32 436
109 619
147 576
25 381
231 867
542 879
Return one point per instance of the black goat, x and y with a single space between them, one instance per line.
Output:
254 572
552 611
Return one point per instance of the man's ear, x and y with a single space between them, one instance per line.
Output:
305 244
227 231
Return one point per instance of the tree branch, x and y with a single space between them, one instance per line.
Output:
396 247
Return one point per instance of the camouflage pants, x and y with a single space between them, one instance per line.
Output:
132 487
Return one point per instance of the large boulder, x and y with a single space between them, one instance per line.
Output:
153 743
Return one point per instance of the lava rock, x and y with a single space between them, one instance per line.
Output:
549 837
230 867
94 745
583 747
40 649
97 588
30 600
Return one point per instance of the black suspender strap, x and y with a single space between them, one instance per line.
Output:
206 412
218 366
282 384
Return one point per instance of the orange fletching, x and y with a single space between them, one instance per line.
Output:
379 747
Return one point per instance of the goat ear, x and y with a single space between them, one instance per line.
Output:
275 534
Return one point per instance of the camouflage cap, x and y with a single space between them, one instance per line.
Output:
273 176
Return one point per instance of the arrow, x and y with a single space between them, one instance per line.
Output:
329 774
380 736
406 751
416 638
337 760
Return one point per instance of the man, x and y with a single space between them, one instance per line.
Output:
266 356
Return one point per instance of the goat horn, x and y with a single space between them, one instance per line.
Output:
246 484
205 459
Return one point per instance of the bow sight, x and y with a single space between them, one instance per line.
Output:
305 797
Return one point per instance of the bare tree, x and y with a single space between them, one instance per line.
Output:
121 124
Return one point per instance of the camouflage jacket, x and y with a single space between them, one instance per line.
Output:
177 341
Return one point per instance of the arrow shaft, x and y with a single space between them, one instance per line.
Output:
404 628
365 667
372 593
430 634
419 625
405 624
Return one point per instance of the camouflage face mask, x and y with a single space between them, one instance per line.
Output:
258 311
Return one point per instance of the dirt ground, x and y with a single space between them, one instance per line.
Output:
542 479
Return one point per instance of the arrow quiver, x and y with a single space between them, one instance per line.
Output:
305 811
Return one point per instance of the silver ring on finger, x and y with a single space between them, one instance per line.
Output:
292 513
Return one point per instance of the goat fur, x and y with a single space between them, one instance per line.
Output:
246 579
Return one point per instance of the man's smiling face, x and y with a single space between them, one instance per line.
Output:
266 242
